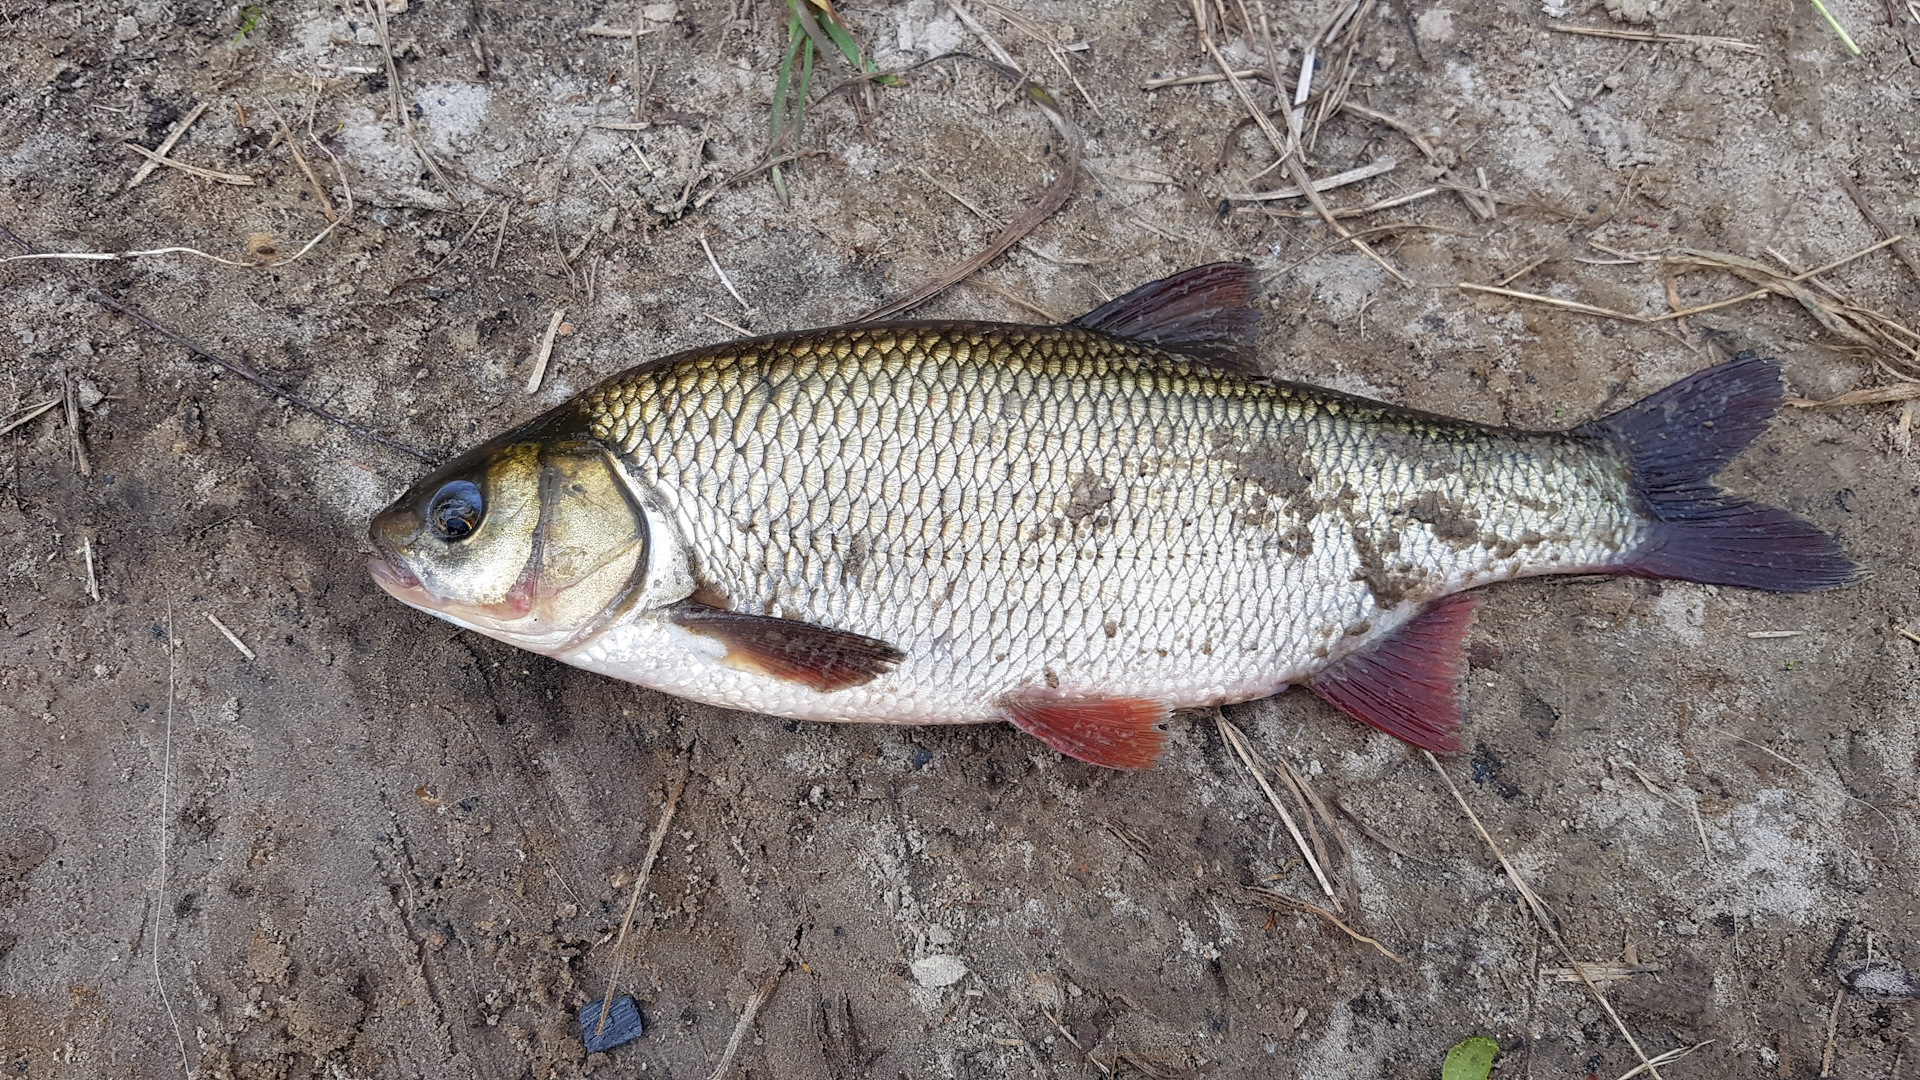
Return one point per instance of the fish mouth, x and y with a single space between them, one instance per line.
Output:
391 574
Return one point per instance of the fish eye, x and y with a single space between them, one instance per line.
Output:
456 510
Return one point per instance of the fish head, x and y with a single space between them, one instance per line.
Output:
537 542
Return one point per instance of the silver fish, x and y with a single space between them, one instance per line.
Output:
1072 528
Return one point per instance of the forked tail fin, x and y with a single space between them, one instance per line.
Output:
1674 441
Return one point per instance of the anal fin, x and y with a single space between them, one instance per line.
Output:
814 656
1409 684
1119 733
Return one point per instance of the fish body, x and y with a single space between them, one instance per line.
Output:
1075 528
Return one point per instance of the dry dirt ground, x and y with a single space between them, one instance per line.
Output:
381 847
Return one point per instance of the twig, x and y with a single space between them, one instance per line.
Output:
231 636
93 579
640 885
300 159
506 211
242 370
393 95
195 170
74 442
1052 200
160 152
1570 305
724 279
603 30
1667 1058
1703 40
1539 909
1325 183
1262 896
27 414
1876 395
1853 192
1833 1031
546 350
735 327
1235 739
758 998
1346 212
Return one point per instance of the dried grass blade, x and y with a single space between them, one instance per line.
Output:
1877 395
1050 202
1238 741
1274 899
1541 915
1570 305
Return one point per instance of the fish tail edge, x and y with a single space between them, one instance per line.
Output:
1674 441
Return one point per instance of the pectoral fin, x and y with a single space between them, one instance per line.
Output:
1408 685
1119 733
813 656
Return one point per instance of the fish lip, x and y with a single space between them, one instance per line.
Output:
390 573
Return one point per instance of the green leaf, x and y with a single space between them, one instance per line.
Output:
1470 1060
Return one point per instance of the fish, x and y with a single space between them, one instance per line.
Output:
1076 529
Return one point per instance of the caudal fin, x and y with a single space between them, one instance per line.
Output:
1675 441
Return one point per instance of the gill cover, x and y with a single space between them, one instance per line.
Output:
538 542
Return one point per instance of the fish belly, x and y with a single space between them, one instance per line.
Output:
1063 513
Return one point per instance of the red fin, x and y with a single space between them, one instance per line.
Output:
814 656
1408 685
1206 312
1119 733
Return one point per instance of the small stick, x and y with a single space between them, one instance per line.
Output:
741 330
194 170
1350 212
1238 741
26 414
754 1001
1729 302
603 30
300 159
74 442
1325 183
1908 634
1706 40
1010 297
1853 192
166 144
1570 305
506 210
640 884
93 582
724 279
1833 1030
231 636
1541 916
1260 893
1068 1035
546 350
1522 272
1050 201
1667 1058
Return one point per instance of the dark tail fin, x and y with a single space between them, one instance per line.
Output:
1675 441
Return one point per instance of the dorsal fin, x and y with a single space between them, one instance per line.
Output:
1206 313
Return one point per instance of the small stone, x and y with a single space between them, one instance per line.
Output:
623 1025
934 972
126 29
660 12
1636 12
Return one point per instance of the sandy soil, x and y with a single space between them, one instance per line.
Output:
393 849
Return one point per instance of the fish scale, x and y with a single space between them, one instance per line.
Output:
1071 528
968 439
